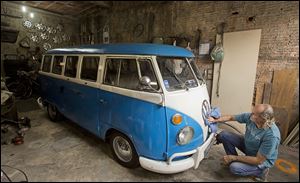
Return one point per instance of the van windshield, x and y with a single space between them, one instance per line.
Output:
176 73
197 71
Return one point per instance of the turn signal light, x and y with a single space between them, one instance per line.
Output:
177 119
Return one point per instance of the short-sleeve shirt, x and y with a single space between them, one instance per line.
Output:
263 140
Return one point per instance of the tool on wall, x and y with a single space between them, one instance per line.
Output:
199 34
217 54
25 42
138 30
106 34
151 26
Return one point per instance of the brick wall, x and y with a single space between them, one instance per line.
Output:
279 21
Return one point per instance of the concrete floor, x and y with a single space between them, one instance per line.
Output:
65 152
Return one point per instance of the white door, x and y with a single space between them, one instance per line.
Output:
237 76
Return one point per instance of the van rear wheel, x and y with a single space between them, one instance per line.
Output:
53 113
123 150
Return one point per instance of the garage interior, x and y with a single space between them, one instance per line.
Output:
267 64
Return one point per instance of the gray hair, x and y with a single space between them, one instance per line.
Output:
268 115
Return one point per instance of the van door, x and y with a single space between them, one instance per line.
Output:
81 96
56 83
132 109
184 96
70 73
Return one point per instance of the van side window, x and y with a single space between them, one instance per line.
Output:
89 68
57 67
47 63
147 70
71 66
122 73
129 77
111 72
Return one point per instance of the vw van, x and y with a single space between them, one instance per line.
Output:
148 101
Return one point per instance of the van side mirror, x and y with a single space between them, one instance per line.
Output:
145 80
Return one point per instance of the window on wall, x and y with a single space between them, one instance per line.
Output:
89 68
71 66
47 63
57 64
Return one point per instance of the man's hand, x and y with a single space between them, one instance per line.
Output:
212 120
229 158
221 119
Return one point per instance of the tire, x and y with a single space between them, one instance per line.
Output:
28 93
18 89
123 150
53 113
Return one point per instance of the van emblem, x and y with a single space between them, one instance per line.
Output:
205 109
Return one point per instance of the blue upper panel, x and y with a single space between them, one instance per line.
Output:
127 49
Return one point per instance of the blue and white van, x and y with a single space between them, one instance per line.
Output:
149 101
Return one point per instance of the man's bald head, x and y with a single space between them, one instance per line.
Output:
266 112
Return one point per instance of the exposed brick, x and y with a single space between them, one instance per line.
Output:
279 21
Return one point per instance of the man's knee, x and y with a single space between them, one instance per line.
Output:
223 136
236 168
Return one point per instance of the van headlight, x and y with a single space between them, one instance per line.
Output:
185 135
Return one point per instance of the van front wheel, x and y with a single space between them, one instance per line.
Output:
53 113
123 150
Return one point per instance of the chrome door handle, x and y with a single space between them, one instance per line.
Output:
102 101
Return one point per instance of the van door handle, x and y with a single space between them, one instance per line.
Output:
102 101
77 92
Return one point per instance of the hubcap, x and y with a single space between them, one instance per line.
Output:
122 149
52 111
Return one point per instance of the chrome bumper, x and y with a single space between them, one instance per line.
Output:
169 167
40 103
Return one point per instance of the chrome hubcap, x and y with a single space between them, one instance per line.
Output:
122 149
52 111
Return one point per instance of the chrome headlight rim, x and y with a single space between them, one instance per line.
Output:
183 138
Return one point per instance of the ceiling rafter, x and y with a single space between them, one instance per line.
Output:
66 8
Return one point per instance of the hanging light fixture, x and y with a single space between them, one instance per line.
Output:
24 9
31 15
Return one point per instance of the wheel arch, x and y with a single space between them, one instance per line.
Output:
111 131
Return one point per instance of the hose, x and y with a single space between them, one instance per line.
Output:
233 127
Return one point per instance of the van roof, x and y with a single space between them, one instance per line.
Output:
126 48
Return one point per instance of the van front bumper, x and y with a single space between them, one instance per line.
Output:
169 167
40 103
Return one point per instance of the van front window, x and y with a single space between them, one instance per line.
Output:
176 73
197 71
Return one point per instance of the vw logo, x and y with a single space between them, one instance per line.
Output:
205 109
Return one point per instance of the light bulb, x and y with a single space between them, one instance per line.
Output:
24 9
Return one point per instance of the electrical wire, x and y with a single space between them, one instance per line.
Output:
15 169
232 127
6 176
